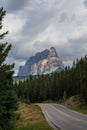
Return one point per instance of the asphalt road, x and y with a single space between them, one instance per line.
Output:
61 118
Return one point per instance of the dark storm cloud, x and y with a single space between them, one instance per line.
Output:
13 5
85 3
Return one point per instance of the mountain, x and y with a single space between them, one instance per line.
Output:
43 62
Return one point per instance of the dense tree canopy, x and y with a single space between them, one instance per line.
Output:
71 81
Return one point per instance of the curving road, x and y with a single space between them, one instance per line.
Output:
61 118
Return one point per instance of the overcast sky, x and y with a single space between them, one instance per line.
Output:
35 25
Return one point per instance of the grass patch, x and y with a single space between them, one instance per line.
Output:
75 104
79 108
31 118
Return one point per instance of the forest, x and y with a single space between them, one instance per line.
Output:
71 81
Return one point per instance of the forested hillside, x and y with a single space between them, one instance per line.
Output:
71 81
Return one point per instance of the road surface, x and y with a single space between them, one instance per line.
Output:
61 118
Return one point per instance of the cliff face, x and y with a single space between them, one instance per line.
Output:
42 63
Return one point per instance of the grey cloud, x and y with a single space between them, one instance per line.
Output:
38 20
42 45
13 5
75 48
34 27
85 3
18 53
73 17
64 17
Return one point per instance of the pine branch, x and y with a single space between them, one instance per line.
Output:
3 35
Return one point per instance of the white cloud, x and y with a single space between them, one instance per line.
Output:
14 24
68 63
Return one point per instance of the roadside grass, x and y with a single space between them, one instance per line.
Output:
74 103
79 108
30 117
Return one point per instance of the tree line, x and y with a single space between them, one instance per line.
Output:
71 81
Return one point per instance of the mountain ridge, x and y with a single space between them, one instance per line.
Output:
43 62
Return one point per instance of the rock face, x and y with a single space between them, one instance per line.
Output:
44 62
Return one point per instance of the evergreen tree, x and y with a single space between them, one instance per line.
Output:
8 100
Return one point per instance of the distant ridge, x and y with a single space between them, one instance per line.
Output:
44 62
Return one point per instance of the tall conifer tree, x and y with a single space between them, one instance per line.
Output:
8 100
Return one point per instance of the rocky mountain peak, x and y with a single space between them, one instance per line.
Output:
43 62
52 52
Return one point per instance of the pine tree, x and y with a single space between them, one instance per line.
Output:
8 100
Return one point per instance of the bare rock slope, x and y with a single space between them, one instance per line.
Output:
44 62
